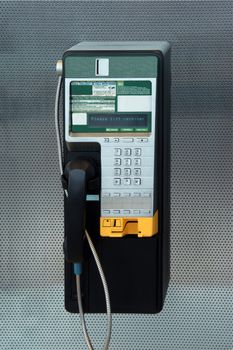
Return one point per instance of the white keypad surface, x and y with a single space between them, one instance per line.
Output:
127 177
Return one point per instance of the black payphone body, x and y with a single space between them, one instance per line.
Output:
116 99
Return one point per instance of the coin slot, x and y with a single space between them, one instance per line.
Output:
97 66
102 67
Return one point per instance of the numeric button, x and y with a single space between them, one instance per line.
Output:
137 152
137 161
117 172
127 182
117 161
137 172
127 152
127 171
127 161
117 152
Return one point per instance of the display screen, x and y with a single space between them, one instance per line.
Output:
113 120
120 106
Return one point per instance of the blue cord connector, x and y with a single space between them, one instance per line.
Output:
78 268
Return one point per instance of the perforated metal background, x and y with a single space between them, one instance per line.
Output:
198 308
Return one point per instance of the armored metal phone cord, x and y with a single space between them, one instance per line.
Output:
91 245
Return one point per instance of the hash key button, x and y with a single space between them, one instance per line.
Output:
137 182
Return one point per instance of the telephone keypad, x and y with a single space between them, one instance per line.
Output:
130 163
128 175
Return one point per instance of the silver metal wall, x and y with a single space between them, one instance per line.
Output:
198 309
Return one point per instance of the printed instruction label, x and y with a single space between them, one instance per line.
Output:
104 89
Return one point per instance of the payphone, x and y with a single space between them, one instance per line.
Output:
115 174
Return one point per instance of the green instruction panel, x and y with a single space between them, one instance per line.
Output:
110 106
